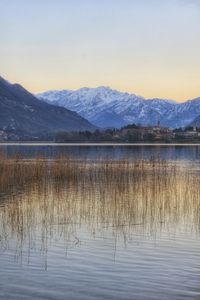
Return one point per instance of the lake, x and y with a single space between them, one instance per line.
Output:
99 222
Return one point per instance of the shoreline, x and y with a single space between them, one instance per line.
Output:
96 144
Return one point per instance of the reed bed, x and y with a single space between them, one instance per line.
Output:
60 196
17 172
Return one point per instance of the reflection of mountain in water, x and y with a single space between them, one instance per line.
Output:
117 200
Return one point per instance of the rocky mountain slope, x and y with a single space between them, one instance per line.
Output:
105 107
22 112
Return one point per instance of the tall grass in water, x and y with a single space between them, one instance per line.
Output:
60 196
16 172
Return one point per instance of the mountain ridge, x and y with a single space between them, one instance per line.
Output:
22 112
106 107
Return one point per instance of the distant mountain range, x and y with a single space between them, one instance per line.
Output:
105 107
47 113
22 113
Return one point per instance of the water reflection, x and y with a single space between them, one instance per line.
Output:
168 152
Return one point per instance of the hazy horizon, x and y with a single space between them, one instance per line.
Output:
148 48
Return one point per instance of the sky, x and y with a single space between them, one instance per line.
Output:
147 47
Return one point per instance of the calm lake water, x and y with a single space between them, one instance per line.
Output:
120 231
169 152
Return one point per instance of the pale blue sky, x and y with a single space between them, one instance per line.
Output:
147 47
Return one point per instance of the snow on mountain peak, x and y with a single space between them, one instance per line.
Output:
106 107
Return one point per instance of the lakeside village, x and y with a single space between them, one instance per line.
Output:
133 134
128 134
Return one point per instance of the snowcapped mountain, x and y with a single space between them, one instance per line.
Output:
105 107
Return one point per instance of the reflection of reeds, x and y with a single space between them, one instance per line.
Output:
60 196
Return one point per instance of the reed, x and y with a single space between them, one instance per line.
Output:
16 172
58 197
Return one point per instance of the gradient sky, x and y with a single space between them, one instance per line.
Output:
148 47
